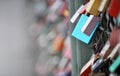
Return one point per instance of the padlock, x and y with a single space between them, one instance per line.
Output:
114 52
98 65
97 74
103 6
76 15
77 33
93 7
81 10
114 8
58 43
105 48
86 68
115 65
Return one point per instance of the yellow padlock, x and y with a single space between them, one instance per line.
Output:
103 6
93 7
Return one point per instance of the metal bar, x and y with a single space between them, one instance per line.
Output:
83 51
73 40
80 51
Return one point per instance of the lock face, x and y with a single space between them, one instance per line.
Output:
87 23
89 29
77 33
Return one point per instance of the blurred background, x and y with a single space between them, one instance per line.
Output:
34 38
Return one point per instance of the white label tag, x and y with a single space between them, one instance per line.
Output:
87 22
75 16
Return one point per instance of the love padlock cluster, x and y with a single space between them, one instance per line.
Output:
98 25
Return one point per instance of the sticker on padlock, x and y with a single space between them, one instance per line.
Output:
93 7
87 22
77 33
114 8
103 6
81 10
90 25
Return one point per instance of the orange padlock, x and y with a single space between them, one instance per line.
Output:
58 43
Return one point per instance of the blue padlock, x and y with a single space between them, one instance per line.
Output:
77 33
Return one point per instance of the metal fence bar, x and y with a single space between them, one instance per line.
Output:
73 40
80 51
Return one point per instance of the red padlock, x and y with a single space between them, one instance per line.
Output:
114 8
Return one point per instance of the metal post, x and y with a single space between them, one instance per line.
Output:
80 51
73 40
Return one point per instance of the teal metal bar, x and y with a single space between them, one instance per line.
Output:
80 51
83 51
73 40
